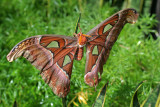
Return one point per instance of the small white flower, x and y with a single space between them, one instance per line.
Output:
139 42
51 104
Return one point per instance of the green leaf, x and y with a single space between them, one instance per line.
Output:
78 21
134 101
154 98
15 104
101 97
64 103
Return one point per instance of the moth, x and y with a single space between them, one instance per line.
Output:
53 55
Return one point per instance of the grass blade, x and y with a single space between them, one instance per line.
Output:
64 102
154 98
134 101
78 21
101 97
15 104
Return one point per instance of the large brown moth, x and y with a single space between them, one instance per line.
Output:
53 55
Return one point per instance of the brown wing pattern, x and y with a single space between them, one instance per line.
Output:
103 37
52 55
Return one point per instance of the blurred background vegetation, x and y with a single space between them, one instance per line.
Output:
134 57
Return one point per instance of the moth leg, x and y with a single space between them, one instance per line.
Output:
95 88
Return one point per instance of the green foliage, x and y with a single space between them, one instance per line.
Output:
132 59
147 27
101 97
154 98
152 101
134 101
